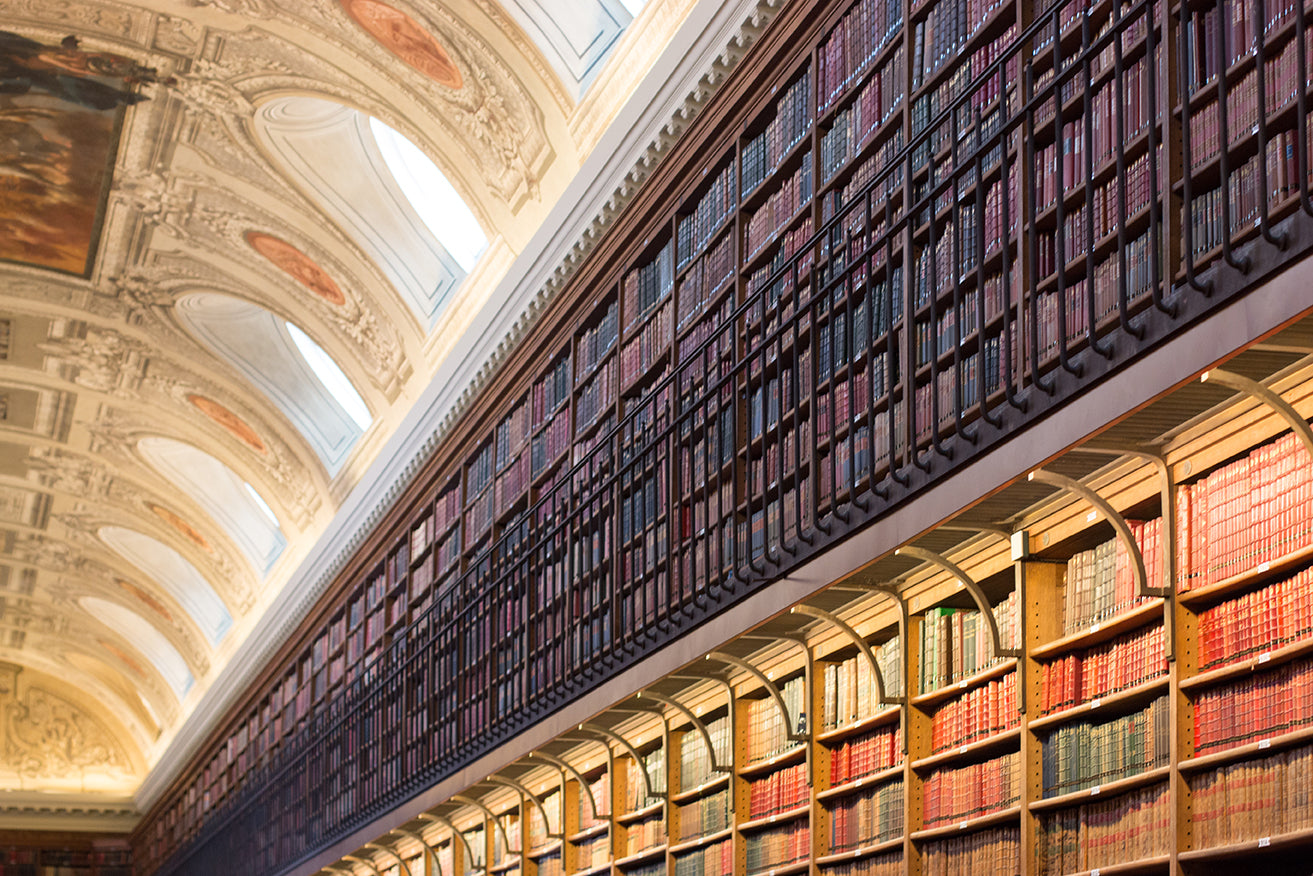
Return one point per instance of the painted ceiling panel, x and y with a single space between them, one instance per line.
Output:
146 639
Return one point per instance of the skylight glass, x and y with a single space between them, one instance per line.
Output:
435 200
261 503
634 6
332 377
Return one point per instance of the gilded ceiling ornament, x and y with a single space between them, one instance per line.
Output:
175 520
405 38
297 265
229 421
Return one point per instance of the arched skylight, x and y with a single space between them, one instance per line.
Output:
227 498
319 401
145 638
179 578
435 200
634 6
332 377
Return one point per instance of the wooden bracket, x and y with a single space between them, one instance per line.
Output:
697 722
489 816
1267 396
633 752
542 810
428 849
405 868
971 586
368 863
577 776
1118 522
795 734
446 822
843 627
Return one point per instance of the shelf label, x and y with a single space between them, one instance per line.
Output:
1092 516
1265 657
858 783
1264 842
963 749
1264 744
962 685
1094 872
1094 792
962 826
1095 703
1095 628
1262 567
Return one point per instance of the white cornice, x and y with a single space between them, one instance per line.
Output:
706 48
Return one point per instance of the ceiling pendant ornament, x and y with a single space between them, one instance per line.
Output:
297 265
404 37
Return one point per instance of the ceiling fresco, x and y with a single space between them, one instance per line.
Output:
169 454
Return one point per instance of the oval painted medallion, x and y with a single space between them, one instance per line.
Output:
229 421
404 37
297 265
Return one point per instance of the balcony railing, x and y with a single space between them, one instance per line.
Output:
1094 180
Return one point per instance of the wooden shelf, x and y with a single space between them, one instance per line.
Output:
766 821
784 869
1250 848
1097 634
997 742
1217 591
1128 868
595 871
1139 780
693 793
543 851
1259 662
639 814
861 783
689 845
969 825
934 697
1101 706
657 851
887 715
595 830
756 768
1241 752
859 852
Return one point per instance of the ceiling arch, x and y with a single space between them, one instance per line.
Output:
178 577
147 640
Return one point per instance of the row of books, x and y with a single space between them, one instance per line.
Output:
777 846
852 129
647 285
886 864
880 163
654 764
1135 826
1277 701
596 397
551 442
1104 214
696 767
512 482
716 859
701 284
1100 583
551 391
867 818
1253 799
1088 754
1212 219
1239 32
1246 513
548 865
645 834
786 788
979 713
985 851
871 752
644 349
1129 660
705 815
601 791
1133 268
779 210
955 642
512 432
597 341
717 204
791 122
864 30
1257 622
593 853
945 30
655 868
446 507
970 791
848 689
766 734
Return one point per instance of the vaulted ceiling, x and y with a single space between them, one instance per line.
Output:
188 192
